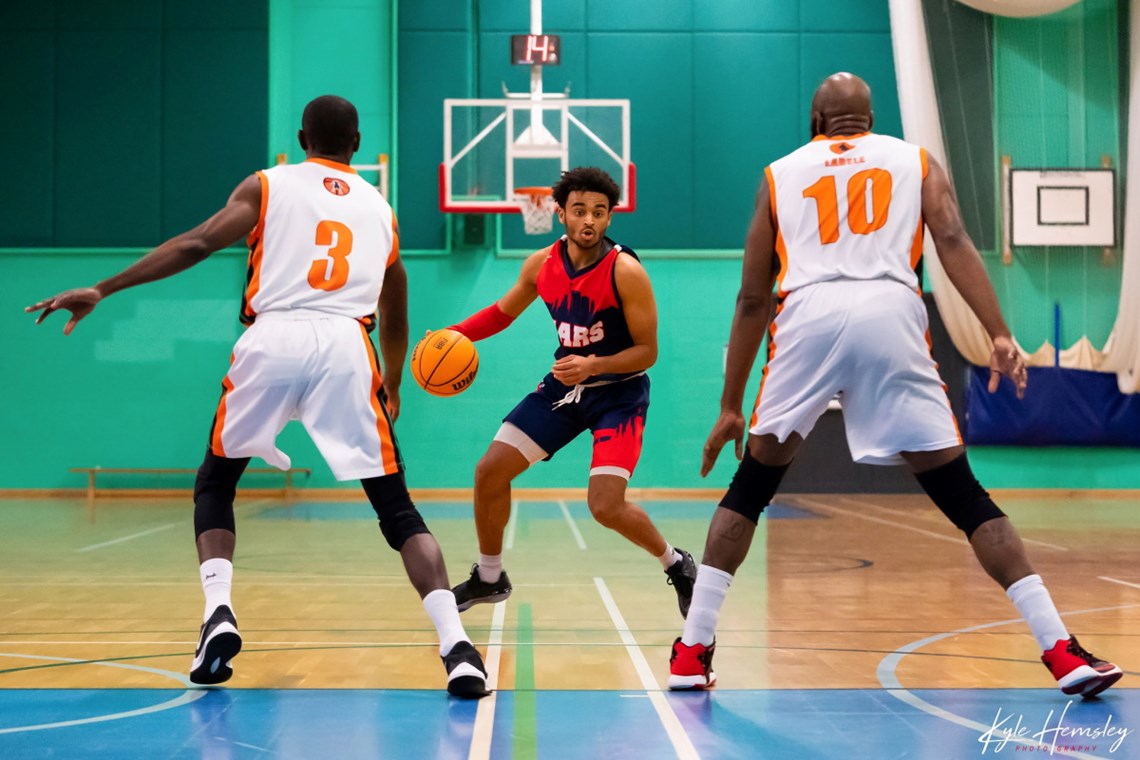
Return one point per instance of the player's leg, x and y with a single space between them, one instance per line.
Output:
730 535
405 531
259 394
946 477
344 411
531 432
218 639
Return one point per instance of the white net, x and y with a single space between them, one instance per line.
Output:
537 208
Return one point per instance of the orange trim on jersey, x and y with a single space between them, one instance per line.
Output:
781 247
395 254
220 416
924 159
383 426
817 138
332 165
916 244
945 388
256 248
764 373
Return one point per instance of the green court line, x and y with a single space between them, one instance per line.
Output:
525 715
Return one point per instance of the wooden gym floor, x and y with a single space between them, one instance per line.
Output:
860 626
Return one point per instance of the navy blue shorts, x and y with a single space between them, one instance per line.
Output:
614 413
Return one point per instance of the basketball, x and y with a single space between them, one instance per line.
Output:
444 363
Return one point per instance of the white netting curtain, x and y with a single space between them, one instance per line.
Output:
922 125
1122 351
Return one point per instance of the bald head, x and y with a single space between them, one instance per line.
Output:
329 128
841 106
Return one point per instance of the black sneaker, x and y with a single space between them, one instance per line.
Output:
218 643
475 591
682 575
466 675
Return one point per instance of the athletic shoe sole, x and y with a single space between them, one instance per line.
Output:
483 600
212 664
1088 682
690 683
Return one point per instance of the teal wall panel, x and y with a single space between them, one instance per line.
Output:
831 16
748 16
642 16
130 116
867 54
29 139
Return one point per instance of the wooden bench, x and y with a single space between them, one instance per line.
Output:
92 472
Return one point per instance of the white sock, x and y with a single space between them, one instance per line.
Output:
217 579
490 567
708 596
440 607
670 556
1032 600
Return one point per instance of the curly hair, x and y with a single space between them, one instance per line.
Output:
586 179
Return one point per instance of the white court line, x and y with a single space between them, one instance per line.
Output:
1117 580
573 525
481 734
186 697
906 513
881 521
512 525
131 537
888 679
682 744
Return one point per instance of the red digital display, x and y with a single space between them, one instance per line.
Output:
529 49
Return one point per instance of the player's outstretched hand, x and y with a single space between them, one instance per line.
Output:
729 427
1006 360
80 302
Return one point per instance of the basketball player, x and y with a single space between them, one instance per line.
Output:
324 253
839 226
606 320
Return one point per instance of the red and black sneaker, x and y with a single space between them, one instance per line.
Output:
1078 671
691 667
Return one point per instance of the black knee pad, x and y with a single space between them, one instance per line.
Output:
752 487
398 516
959 495
214 490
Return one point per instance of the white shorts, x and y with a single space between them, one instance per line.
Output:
865 340
317 368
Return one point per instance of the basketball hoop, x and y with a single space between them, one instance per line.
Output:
536 204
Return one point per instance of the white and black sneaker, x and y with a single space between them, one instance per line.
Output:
466 674
218 643
475 590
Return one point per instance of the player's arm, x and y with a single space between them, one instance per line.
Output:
966 271
499 315
640 311
236 220
750 320
393 331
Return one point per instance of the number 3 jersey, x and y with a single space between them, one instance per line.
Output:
848 208
323 241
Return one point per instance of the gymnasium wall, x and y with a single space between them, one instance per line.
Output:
137 384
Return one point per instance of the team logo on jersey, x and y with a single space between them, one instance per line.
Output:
336 186
576 336
840 148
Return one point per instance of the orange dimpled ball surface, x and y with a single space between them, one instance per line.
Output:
444 363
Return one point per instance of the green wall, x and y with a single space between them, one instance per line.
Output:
138 382
130 122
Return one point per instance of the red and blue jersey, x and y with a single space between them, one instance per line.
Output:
585 304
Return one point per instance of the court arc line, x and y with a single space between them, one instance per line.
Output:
482 733
573 525
185 698
682 744
886 672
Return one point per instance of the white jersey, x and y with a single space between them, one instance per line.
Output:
848 208
322 243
